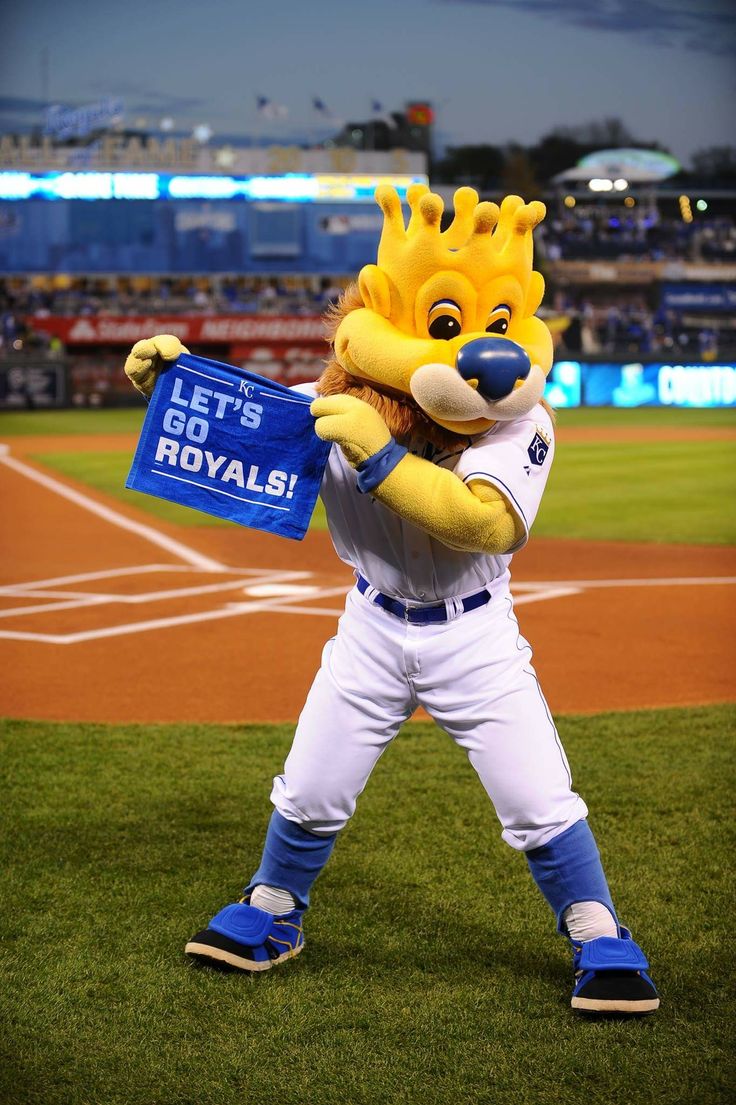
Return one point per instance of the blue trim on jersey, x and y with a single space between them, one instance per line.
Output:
292 859
568 869
494 479
374 470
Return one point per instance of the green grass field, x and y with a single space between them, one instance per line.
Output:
432 973
629 491
657 491
130 419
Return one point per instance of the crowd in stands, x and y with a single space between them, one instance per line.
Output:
638 233
632 327
161 295
615 321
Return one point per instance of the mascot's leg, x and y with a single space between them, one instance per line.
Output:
265 927
610 969
494 708
358 701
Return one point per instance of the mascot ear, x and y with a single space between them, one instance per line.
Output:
534 294
375 290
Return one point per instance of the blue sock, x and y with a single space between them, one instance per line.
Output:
568 869
292 858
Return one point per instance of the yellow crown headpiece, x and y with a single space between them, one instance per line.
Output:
482 242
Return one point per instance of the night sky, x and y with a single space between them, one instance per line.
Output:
496 70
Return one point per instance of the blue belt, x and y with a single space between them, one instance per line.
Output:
421 615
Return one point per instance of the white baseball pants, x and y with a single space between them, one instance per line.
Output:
473 675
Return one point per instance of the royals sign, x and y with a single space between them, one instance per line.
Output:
231 444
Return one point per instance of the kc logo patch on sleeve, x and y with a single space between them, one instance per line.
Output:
232 444
538 449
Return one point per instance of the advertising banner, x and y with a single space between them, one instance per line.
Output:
699 297
231 444
32 386
205 329
581 383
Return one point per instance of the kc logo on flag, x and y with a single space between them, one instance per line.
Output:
232 444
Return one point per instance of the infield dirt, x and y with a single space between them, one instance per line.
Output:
181 645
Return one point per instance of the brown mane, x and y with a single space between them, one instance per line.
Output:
404 418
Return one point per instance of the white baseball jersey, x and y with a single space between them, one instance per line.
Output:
402 560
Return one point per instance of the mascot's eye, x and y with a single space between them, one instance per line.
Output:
445 320
498 320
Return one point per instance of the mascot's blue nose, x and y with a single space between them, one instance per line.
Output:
496 363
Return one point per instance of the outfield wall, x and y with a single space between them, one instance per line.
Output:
94 378
641 384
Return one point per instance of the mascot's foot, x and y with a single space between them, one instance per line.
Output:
249 939
610 977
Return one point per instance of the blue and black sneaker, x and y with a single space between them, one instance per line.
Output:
247 938
611 977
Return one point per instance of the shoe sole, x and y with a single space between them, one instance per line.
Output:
597 1005
219 955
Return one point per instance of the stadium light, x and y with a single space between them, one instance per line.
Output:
569 201
702 205
620 185
600 184
202 133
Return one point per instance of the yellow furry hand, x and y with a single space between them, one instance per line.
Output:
145 360
357 428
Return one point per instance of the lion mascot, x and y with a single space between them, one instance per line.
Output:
442 447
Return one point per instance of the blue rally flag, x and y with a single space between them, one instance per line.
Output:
232 444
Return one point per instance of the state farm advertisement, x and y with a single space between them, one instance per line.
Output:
191 329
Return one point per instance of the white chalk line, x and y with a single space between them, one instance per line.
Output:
588 584
544 594
282 602
276 590
148 533
232 610
269 587
78 600
526 592
114 573
273 582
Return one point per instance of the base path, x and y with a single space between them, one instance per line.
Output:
108 616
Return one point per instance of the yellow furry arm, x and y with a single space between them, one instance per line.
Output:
145 360
357 428
470 517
